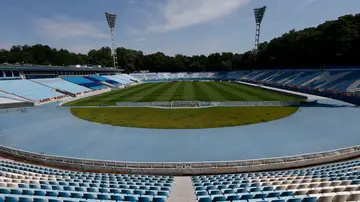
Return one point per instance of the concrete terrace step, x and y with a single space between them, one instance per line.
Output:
182 190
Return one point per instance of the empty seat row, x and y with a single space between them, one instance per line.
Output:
334 182
21 182
6 198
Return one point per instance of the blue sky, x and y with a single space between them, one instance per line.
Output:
171 26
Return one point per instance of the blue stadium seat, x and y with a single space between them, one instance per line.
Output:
260 196
16 191
89 196
39 193
219 198
64 194
247 196
28 192
51 193
286 193
156 199
139 192
25 199
233 198
116 197
23 185
214 192
130 198
40 200
150 193
273 194
54 200
103 197
309 199
76 195
4 191
11 199
144 199
207 199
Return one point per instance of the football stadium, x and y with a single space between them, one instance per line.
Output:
80 134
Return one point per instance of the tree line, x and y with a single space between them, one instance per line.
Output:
333 43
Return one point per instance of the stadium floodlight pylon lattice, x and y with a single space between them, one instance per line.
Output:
111 20
259 16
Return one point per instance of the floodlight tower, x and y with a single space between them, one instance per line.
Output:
259 15
111 19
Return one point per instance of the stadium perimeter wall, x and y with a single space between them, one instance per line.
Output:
16 105
183 168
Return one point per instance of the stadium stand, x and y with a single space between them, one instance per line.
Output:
128 77
8 75
29 90
354 87
337 84
85 82
11 97
101 79
125 78
152 76
118 79
339 80
4 100
336 182
58 83
140 77
21 182
342 84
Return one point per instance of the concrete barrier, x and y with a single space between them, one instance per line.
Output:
183 168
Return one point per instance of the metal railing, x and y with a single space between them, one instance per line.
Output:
184 168
179 104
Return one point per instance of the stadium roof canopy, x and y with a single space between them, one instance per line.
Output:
47 69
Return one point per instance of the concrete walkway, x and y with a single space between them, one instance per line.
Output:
182 191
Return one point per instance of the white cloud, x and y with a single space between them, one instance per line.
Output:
64 27
305 3
177 14
140 39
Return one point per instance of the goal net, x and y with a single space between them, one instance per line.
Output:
185 104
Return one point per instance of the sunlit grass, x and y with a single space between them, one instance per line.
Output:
183 91
182 118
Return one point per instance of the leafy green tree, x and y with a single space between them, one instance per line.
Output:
334 42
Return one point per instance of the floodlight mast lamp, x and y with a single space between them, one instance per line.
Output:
111 19
259 15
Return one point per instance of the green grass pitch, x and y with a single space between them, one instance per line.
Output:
182 118
183 91
214 117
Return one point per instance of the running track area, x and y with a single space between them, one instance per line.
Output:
53 130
